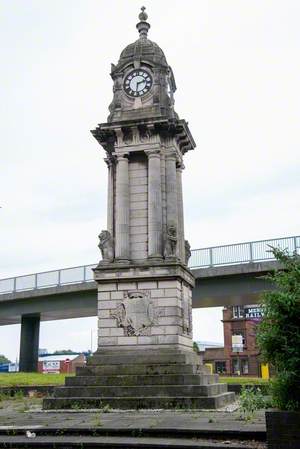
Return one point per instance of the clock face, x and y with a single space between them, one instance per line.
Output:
137 83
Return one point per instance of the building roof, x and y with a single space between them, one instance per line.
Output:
202 345
58 358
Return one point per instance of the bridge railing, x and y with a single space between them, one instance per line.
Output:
46 279
204 257
245 252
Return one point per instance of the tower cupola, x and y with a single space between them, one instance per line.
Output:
144 83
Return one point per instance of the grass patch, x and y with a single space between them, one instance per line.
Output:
243 380
20 379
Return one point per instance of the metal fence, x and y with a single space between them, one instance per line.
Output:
200 258
242 252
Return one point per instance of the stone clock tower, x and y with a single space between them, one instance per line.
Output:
144 357
144 285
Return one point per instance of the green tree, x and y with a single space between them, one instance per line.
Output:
4 359
279 332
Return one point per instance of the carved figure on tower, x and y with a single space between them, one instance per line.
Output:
106 246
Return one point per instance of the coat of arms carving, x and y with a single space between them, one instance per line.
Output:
136 313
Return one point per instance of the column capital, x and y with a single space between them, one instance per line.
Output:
154 152
122 156
171 155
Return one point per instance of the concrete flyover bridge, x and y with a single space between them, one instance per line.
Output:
225 275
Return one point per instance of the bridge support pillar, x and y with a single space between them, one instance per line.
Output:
29 344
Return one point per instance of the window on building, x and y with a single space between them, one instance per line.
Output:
240 366
236 366
220 366
242 334
238 312
245 366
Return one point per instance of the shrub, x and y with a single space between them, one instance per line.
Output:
251 399
278 334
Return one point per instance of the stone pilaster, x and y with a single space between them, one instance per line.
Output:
181 246
154 204
110 196
171 199
122 209
164 194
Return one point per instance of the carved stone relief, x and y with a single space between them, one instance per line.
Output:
127 136
186 313
106 246
136 313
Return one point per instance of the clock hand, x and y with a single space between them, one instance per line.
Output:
139 82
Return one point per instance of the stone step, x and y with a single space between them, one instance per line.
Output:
128 380
143 391
121 442
146 369
135 403
144 358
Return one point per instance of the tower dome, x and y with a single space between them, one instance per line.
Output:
143 81
144 49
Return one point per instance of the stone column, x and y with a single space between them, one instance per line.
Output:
154 205
29 344
171 197
122 209
110 197
164 195
181 243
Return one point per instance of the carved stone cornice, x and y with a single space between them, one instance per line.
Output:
144 131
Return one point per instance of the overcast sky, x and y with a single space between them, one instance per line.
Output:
237 69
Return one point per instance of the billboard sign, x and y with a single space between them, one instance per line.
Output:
51 366
253 313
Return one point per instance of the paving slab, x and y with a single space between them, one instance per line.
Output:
27 413
124 442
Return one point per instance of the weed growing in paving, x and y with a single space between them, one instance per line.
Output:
76 406
106 409
97 421
18 395
251 400
4 397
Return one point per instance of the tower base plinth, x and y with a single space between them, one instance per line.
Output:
142 379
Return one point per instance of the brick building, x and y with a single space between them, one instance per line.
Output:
240 355
65 363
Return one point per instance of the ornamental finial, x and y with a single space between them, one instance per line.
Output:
143 26
143 16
